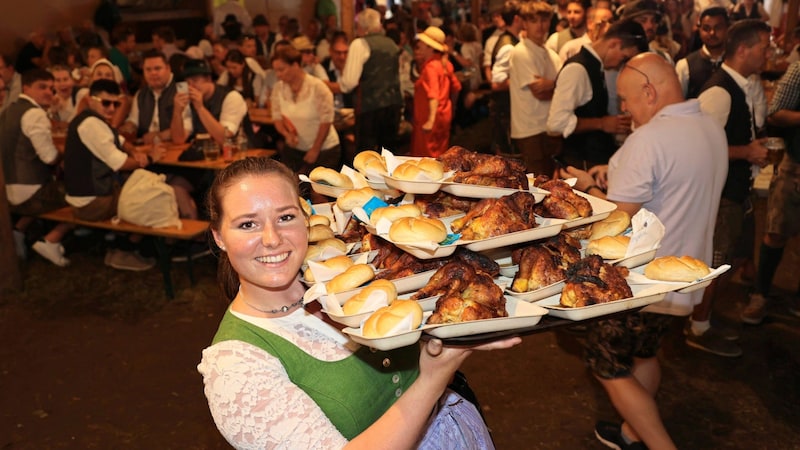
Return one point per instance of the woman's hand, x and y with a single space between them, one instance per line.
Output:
428 125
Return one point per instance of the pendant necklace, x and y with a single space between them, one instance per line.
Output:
282 309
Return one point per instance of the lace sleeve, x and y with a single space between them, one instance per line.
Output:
254 405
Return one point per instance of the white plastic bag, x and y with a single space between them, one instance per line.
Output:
147 200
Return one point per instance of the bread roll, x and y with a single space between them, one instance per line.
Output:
417 229
331 177
428 168
386 318
356 302
351 278
318 219
313 252
609 247
356 197
616 223
306 206
319 232
673 268
369 160
392 213
339 263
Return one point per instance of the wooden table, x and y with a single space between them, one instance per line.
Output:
261 116
174 151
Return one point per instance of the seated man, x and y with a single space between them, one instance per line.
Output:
151 111
28 154
151 116
92 157
215 109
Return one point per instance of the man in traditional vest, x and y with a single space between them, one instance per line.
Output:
579 108
93 155
698 66
151 118
373 66
576 17
735 98
151 113
28 156
215 109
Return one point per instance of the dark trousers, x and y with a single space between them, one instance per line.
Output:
378 128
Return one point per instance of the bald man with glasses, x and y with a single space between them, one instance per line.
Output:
679 177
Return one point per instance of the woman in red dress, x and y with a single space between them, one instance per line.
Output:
433 108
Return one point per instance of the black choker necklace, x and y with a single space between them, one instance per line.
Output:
282 309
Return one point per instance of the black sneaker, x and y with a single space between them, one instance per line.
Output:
610 434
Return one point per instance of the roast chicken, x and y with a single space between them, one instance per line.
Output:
442 204
482 169
465 294
563 202
545 263
591 281
393 263
496 216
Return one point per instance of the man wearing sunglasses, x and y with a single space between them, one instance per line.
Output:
93 155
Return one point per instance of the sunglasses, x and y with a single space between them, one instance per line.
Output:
107 103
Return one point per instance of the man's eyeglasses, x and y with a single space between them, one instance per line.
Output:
647 79
107 103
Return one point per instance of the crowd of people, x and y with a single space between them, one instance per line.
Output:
591 90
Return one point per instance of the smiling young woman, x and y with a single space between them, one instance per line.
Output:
278 375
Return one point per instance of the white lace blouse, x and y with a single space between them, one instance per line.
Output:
251 398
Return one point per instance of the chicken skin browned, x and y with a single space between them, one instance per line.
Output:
545 263
591 281
537 268
563 202
497 216
465 294
442 204
482 169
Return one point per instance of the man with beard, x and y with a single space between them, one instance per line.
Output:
576 17
694 70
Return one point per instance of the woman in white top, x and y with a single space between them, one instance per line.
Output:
280 375
302 109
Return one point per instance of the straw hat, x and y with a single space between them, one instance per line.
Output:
302 43
433 37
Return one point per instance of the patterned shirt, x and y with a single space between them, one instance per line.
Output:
787 94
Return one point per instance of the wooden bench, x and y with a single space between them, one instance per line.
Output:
190 229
